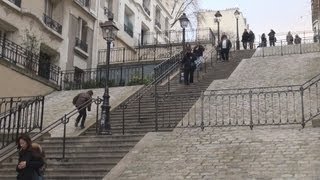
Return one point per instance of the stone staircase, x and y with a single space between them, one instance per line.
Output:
92 157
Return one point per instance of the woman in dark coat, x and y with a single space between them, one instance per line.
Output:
27 166
189 65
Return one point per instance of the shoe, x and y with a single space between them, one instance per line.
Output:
82 127
76 124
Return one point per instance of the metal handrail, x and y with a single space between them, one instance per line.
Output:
62 120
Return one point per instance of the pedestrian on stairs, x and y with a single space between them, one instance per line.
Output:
38 155
198 52
27 164
82 101
189 65
225 46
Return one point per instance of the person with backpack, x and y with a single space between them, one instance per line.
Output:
38 155
82 101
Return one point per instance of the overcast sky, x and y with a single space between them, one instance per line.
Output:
263 15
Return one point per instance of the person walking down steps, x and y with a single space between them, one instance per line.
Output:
82 101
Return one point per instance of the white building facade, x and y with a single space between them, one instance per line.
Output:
228 22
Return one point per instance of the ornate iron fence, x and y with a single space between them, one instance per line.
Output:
52 23
23 58
96 78
22 116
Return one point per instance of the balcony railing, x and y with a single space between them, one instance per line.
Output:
157 23
16 2
82 45
128 29
27 60
84 3
52 23
146 9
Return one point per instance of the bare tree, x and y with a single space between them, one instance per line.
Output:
190 7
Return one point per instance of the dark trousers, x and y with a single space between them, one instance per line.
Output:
244 45
271 43
83 115
186 73
251 45
225 54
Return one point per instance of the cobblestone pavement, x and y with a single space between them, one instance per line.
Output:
286 152
60 102
272 71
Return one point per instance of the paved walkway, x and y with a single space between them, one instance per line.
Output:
266 152
224 153
60 102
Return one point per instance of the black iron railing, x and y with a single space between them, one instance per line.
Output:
52 23
204 35
146 9
63 121
19 56
279 105
151 53
96 78
19 115
84 3
16 2
128 29
81 44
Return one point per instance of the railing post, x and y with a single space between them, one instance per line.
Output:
61 80
263 52
139 110
123 120
139 53
202 110
154 52
42 111
64 121
3 46
302 107
123 55
19 119
142 72
300 48
251 116
168 79
281 48
156 106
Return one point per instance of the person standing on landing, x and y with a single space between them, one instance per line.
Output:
82 101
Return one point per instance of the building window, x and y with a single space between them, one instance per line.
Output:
128 21
81 39
16 2
84 3
48 8
158 17
146 6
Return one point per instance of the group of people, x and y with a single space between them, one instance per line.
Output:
31 161
291 40
272 39
247 38
190 60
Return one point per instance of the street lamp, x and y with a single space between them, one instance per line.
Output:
109 32
184 21
217 20
237 14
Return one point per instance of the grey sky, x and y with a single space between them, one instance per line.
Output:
263 15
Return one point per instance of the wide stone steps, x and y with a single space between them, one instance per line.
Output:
90 157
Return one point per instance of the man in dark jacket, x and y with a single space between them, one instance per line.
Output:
189 65
225 46
245 38
272 37
82 101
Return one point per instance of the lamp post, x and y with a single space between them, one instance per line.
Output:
217 20
109 32
184 21
237 14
